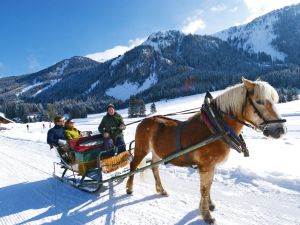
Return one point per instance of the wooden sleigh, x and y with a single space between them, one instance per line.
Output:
86 165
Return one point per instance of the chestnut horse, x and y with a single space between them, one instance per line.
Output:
251 102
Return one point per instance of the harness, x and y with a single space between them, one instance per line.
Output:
216 124
214 121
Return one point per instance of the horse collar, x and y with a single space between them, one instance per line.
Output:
215 123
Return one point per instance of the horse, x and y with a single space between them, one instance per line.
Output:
250 102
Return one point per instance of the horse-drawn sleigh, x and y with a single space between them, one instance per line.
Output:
204 140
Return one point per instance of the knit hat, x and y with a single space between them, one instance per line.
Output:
110 106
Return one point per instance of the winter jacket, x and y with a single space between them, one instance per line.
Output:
72 133
54 134
111 125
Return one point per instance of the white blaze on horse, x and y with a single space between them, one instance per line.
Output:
251 102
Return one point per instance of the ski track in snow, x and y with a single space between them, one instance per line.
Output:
263 189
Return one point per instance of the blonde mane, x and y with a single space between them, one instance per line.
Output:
233 98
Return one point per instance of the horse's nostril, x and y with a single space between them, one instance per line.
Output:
266 132
279 130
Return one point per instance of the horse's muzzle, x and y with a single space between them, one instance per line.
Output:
275 130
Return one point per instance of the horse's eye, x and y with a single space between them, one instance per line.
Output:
260 102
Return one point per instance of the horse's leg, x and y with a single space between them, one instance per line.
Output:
205 203
158 185
138 157
212 206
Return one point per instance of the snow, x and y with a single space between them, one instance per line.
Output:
59 70
52 83
93 85
114 52
125 90
28 88
261 189
117 60
256 36
162 39
108 54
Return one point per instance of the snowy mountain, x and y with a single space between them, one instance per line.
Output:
28 86
276 34
165 59
170 64
263 189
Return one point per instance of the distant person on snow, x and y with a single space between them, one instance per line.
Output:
70 131
112 126
56 136
27 127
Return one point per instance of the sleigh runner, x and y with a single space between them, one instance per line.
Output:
86 164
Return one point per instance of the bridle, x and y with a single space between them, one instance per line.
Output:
251 125
265 122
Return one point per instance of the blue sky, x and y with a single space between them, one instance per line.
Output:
38 33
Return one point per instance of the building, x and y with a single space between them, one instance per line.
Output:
4 120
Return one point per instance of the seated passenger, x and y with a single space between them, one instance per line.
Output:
112 126
71 131
56 136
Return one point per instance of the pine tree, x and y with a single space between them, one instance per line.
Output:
142 111
153 108
136 107
52 111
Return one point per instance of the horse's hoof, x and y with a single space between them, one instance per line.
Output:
212 207
209 220
129 192
164 193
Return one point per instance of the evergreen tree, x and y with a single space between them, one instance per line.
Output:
52 111
142 107
136 107
153 108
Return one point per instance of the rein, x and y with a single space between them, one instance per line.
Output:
187 111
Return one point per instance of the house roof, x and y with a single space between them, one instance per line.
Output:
4 120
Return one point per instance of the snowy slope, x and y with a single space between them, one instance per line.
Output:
254 37
263 189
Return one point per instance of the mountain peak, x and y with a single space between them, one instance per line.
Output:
163 39
266 33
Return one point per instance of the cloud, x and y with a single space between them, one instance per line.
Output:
115 51
218 8
33 63
193 25
259 7
234 9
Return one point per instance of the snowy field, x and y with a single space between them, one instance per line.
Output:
263 189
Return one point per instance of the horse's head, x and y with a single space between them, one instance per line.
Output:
259 108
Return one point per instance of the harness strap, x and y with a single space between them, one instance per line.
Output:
215 123
178 142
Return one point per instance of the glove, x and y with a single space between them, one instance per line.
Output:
62 142
122 127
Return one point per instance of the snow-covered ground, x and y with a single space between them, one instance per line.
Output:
263 189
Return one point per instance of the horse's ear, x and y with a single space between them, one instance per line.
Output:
248 84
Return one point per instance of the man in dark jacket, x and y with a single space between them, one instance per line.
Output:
112 126
56 136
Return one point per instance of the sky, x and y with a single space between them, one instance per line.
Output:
36 34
